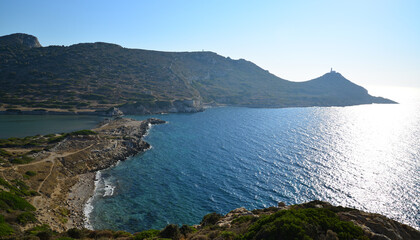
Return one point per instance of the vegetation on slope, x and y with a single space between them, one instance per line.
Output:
101 75
20 150
295 223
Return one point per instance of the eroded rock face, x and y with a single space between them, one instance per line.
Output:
380 227
227 219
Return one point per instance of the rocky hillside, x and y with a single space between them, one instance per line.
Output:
98 76
312 220
19 40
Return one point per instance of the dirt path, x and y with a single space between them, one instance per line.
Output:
45 179
52 157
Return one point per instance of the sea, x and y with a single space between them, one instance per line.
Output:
365 157
30 125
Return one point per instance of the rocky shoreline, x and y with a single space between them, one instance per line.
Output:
65 173
83 190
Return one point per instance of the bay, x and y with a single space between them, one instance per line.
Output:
29 125
367 157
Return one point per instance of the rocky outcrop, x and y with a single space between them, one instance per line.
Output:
380 227
20 40
114 111
374 226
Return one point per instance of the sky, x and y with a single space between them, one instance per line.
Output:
370 42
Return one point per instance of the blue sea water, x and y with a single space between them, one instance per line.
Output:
29 125
367 157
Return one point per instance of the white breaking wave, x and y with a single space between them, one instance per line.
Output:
88 209
108 189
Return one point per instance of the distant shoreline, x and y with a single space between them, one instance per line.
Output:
48 112
116 111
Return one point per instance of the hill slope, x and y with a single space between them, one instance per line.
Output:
101 75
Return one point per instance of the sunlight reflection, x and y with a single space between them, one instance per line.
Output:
376 160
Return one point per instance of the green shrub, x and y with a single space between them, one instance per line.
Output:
44 235
228 235
185 229
83 132
5 153
26 217
302 224
146 234
22 159
57 139
5 228
75 233
11 201
38 229
119 234
170 231
21 189
26 141
210 219
243 219
5 183
30 173
101 234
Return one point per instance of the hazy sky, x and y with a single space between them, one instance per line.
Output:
369 42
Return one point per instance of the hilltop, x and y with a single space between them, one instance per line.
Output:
19 40
99 76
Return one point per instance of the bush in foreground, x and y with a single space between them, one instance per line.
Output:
302 224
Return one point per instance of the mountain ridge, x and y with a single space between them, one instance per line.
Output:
99 76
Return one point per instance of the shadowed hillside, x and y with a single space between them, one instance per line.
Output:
98 76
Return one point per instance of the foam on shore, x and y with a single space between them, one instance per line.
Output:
88 208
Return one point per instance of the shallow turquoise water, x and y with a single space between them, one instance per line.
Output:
29 125
366 157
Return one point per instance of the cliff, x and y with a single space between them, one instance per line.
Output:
98 76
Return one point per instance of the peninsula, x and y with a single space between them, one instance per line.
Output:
55 173
97 78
